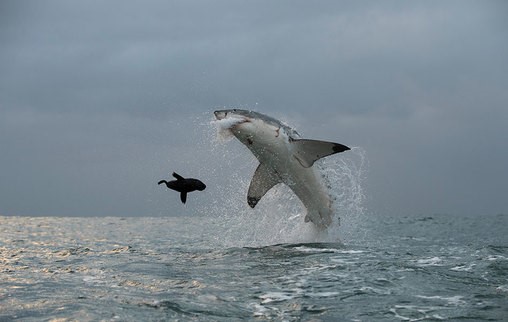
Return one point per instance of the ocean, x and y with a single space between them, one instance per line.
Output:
233 267
224 261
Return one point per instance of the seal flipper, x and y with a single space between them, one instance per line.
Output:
183 196
263 180
177 176
309 151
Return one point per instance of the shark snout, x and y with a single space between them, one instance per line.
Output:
220 115
228 119
232 113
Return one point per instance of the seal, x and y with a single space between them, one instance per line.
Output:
183 185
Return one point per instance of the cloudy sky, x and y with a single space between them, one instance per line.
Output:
101 99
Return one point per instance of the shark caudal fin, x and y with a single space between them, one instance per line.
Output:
309 151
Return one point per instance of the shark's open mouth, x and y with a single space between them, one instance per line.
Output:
225 123
229 122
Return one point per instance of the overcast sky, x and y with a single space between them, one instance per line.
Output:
101 99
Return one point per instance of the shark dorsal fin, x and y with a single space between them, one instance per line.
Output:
309 151
177 176
264 179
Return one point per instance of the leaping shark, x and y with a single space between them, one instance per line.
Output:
284 157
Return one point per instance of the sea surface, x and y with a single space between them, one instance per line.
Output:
233 268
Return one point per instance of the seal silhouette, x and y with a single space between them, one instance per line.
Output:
184 185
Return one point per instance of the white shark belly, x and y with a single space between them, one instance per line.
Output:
308 187
304 182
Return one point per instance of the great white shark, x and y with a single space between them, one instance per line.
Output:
284 157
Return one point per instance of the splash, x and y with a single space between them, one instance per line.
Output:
279 216
223 127
343 176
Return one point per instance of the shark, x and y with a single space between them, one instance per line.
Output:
284 157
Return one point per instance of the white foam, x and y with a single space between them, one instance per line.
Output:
502 288
224 127
452 300
496 257
431 261
323 294
463 268
275 297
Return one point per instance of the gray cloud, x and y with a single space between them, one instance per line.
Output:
98 99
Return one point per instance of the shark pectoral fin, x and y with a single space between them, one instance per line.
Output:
177 176
264 179
309 151
183 196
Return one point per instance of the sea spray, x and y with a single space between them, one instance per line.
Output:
344 176
223 127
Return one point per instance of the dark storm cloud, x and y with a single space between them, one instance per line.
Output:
97 98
